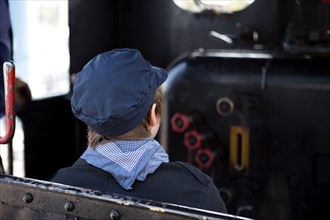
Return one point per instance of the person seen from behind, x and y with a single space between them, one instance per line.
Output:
119 95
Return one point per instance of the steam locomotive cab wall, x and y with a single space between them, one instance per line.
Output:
259 126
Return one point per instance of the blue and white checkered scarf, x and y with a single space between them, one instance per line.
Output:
127 160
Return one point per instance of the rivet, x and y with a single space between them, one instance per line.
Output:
28 198
69 206
225 106
115 215
96 192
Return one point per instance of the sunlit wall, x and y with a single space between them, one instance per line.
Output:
40 32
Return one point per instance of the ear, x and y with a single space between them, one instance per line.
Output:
153 120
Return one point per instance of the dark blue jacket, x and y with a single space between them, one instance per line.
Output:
174 182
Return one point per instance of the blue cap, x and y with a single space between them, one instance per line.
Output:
115 90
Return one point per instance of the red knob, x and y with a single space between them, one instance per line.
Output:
204 158
179 122
193 140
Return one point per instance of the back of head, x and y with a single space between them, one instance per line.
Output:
114 91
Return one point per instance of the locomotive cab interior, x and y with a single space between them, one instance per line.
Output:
247 101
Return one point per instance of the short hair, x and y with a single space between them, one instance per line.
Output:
140 131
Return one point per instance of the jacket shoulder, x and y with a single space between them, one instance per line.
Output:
194 171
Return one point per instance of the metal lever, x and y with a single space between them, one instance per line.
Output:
222 37
240 149
9 83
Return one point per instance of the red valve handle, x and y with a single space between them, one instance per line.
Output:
9 83
179 122
193 140
201 162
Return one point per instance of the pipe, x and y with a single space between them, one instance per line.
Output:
9 83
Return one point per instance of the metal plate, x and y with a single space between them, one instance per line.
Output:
23 198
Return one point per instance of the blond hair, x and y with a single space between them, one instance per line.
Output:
140 131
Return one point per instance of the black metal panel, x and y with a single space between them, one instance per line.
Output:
49 128
22 198
284 103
